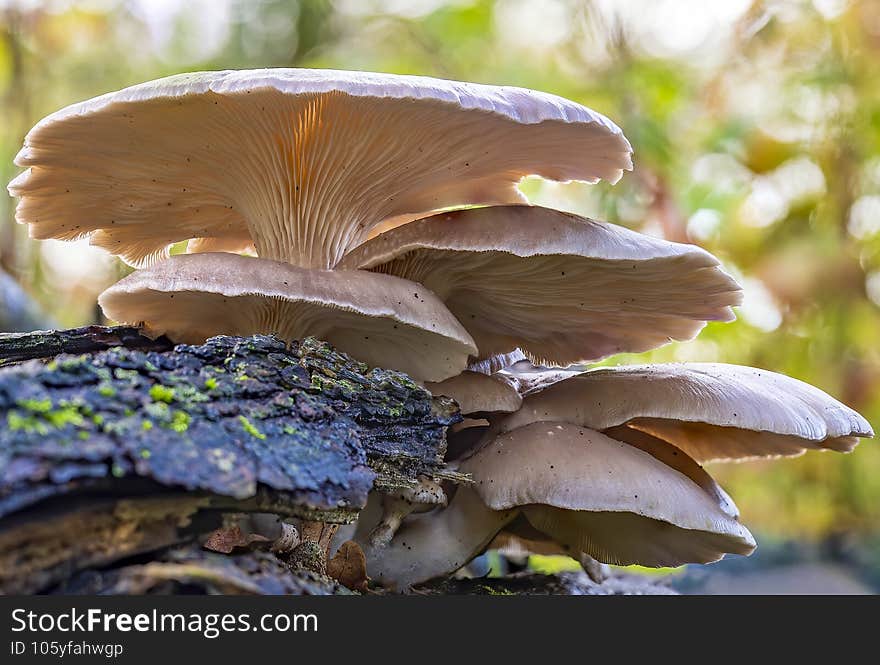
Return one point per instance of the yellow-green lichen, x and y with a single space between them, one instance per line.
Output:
179 422
160 393
248 427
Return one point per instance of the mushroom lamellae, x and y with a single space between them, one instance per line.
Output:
336 182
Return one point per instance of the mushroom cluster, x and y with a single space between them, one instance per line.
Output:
381 213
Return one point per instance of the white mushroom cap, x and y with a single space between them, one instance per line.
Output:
432 544
710 411
560 287
381 320
303 162
604 497
479 393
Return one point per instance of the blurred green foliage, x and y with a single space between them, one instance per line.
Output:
756 128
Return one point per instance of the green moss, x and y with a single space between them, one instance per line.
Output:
146 425
248 427
42 420
187 393
145 454
69 364
179 422
65 415
28 424
117 471
82 435
98 419
160 393
158 410
36 405
210 383
106 390
124 374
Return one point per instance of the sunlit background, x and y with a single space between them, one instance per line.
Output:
756 129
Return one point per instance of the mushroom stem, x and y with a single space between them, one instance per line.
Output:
288 541
425 495
313 549
595 570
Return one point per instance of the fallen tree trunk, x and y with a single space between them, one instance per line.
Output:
108 454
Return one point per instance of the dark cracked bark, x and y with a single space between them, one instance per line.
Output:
89 443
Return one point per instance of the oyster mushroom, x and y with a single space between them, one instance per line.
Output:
478 393
434 543
381 320
582 492
711 411
561 288
609 499
300 163
426 495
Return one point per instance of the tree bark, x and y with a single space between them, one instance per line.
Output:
134 446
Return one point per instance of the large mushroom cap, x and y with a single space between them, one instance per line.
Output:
381 320
711 411
604 497
301 162
479 393
560 287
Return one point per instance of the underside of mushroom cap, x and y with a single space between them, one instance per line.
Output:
303 162
530 379
386 322
562 288
609 499
711 411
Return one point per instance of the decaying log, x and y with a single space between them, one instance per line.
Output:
94 448
190 570
16 347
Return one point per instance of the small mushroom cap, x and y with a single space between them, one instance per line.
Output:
381 320
603 497
479 393
303 162
711 411
431 544
562 288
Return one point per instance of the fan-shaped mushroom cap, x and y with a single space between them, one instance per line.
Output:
604 497
435 543
304 162
560 287
479 393
381 320
711 411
